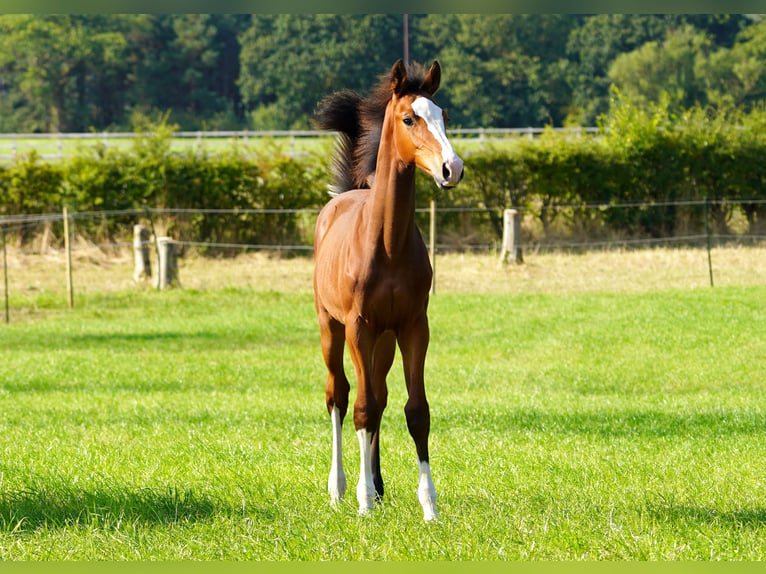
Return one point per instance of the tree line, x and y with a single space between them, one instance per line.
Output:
74 73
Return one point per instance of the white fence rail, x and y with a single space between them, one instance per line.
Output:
56 146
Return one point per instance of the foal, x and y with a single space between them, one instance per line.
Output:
372 273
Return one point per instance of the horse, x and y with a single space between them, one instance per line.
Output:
372 272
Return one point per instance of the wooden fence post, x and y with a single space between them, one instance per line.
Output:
5 276
167 265
707 235
143 267
68 249
432 243
511 237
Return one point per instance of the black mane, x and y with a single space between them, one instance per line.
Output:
359 121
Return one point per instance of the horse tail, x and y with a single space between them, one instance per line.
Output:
340 112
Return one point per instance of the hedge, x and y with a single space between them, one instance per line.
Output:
566 184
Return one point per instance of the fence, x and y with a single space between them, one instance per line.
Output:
467 229
57 146
226 233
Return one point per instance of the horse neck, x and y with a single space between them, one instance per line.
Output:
391 209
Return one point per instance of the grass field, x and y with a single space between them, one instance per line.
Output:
53 147
621 417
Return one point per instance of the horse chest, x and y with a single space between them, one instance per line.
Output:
389 296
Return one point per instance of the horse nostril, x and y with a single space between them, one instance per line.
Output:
445 171
462 173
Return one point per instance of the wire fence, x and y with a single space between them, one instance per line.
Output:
227 233
458 229
465 229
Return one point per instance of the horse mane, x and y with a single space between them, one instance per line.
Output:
359 121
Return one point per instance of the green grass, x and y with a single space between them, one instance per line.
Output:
190 425
54 147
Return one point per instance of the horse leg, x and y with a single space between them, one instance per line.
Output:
382 359
366 411
413 343
336 397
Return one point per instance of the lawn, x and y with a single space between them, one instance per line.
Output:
581 424
53 147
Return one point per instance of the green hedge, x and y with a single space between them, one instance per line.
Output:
566 184
150 176
661 168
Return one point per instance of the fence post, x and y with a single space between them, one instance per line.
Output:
143 267
432 243
5 275
707 235
511 237
68 249
167 264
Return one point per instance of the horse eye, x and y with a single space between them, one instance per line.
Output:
408 121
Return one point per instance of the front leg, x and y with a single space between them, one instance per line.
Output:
366 408
336 482
336 397
365 488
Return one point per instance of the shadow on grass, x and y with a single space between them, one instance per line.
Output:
211 340
59 507
743 518
611 424
127 342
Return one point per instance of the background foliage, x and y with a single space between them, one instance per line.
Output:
229 71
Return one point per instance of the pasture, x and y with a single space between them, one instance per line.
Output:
58 146
617 417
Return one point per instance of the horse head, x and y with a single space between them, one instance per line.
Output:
420 136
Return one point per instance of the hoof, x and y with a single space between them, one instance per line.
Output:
336 486
336 495
429 515
365 511
366 502
335 500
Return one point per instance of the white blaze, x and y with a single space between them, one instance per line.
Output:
432 115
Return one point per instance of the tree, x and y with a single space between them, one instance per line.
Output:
225 71
593 46
500 71
670 67
736 76
188 64
600 39
290 62
53 66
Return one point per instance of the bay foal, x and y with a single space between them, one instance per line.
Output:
372 273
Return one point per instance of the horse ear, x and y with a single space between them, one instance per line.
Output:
398 76
433 78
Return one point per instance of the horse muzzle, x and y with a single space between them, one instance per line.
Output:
451 173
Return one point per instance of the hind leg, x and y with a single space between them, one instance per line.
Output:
413 342
336 397
383 357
